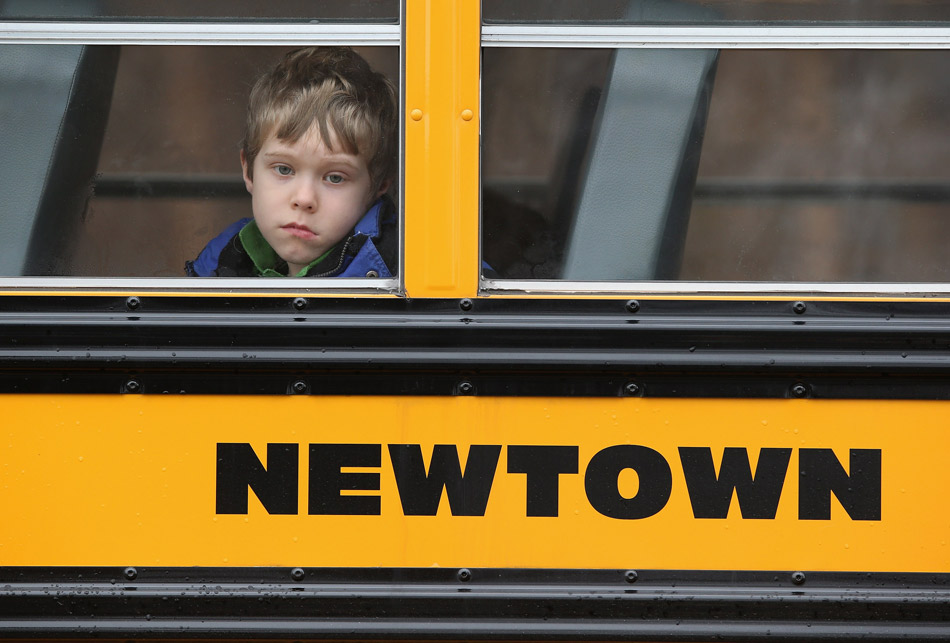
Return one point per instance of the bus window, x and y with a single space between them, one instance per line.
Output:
818 165
711 164
129 154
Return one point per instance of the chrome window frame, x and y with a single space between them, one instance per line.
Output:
699 37
704 288
245 33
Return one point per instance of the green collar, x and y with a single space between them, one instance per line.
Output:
267 263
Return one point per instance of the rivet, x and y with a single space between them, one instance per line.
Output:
416 114
464 575
300 303
799 390
466 388
466 304
798 577
131 573
297 574
299 386
467 114
799 307
133 303
631 576
133 386
631 388
633 306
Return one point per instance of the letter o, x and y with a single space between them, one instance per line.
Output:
603 493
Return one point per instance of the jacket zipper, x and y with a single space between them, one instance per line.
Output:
339 263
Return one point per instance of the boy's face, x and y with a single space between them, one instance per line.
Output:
306 198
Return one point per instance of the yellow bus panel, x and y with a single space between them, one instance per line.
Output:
477 482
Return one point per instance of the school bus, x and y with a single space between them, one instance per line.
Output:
667 356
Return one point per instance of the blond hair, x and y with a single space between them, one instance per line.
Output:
335 89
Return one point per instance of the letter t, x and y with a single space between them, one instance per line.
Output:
542 465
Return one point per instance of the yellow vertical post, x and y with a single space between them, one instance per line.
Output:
442 125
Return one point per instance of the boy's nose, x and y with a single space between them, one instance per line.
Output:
305 197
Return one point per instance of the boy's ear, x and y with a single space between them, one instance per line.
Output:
248 182
383 188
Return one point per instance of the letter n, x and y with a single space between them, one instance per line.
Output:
275 486
820 475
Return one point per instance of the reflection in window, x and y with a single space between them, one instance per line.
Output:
127 157
810 165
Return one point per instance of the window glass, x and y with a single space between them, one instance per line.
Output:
125 161
716 11
124 10
747 165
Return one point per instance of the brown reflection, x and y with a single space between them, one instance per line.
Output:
817 165
815 118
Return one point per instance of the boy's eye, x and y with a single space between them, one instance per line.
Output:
334 178
283 170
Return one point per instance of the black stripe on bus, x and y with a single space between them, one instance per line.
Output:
471 604
494 346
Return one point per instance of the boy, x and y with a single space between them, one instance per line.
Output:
319 154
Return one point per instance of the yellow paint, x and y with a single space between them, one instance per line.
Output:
441 172
130 480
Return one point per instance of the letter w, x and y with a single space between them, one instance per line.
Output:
758 495
421 492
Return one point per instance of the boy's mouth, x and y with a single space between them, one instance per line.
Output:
300 231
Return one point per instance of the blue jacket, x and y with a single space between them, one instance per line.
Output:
370 250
